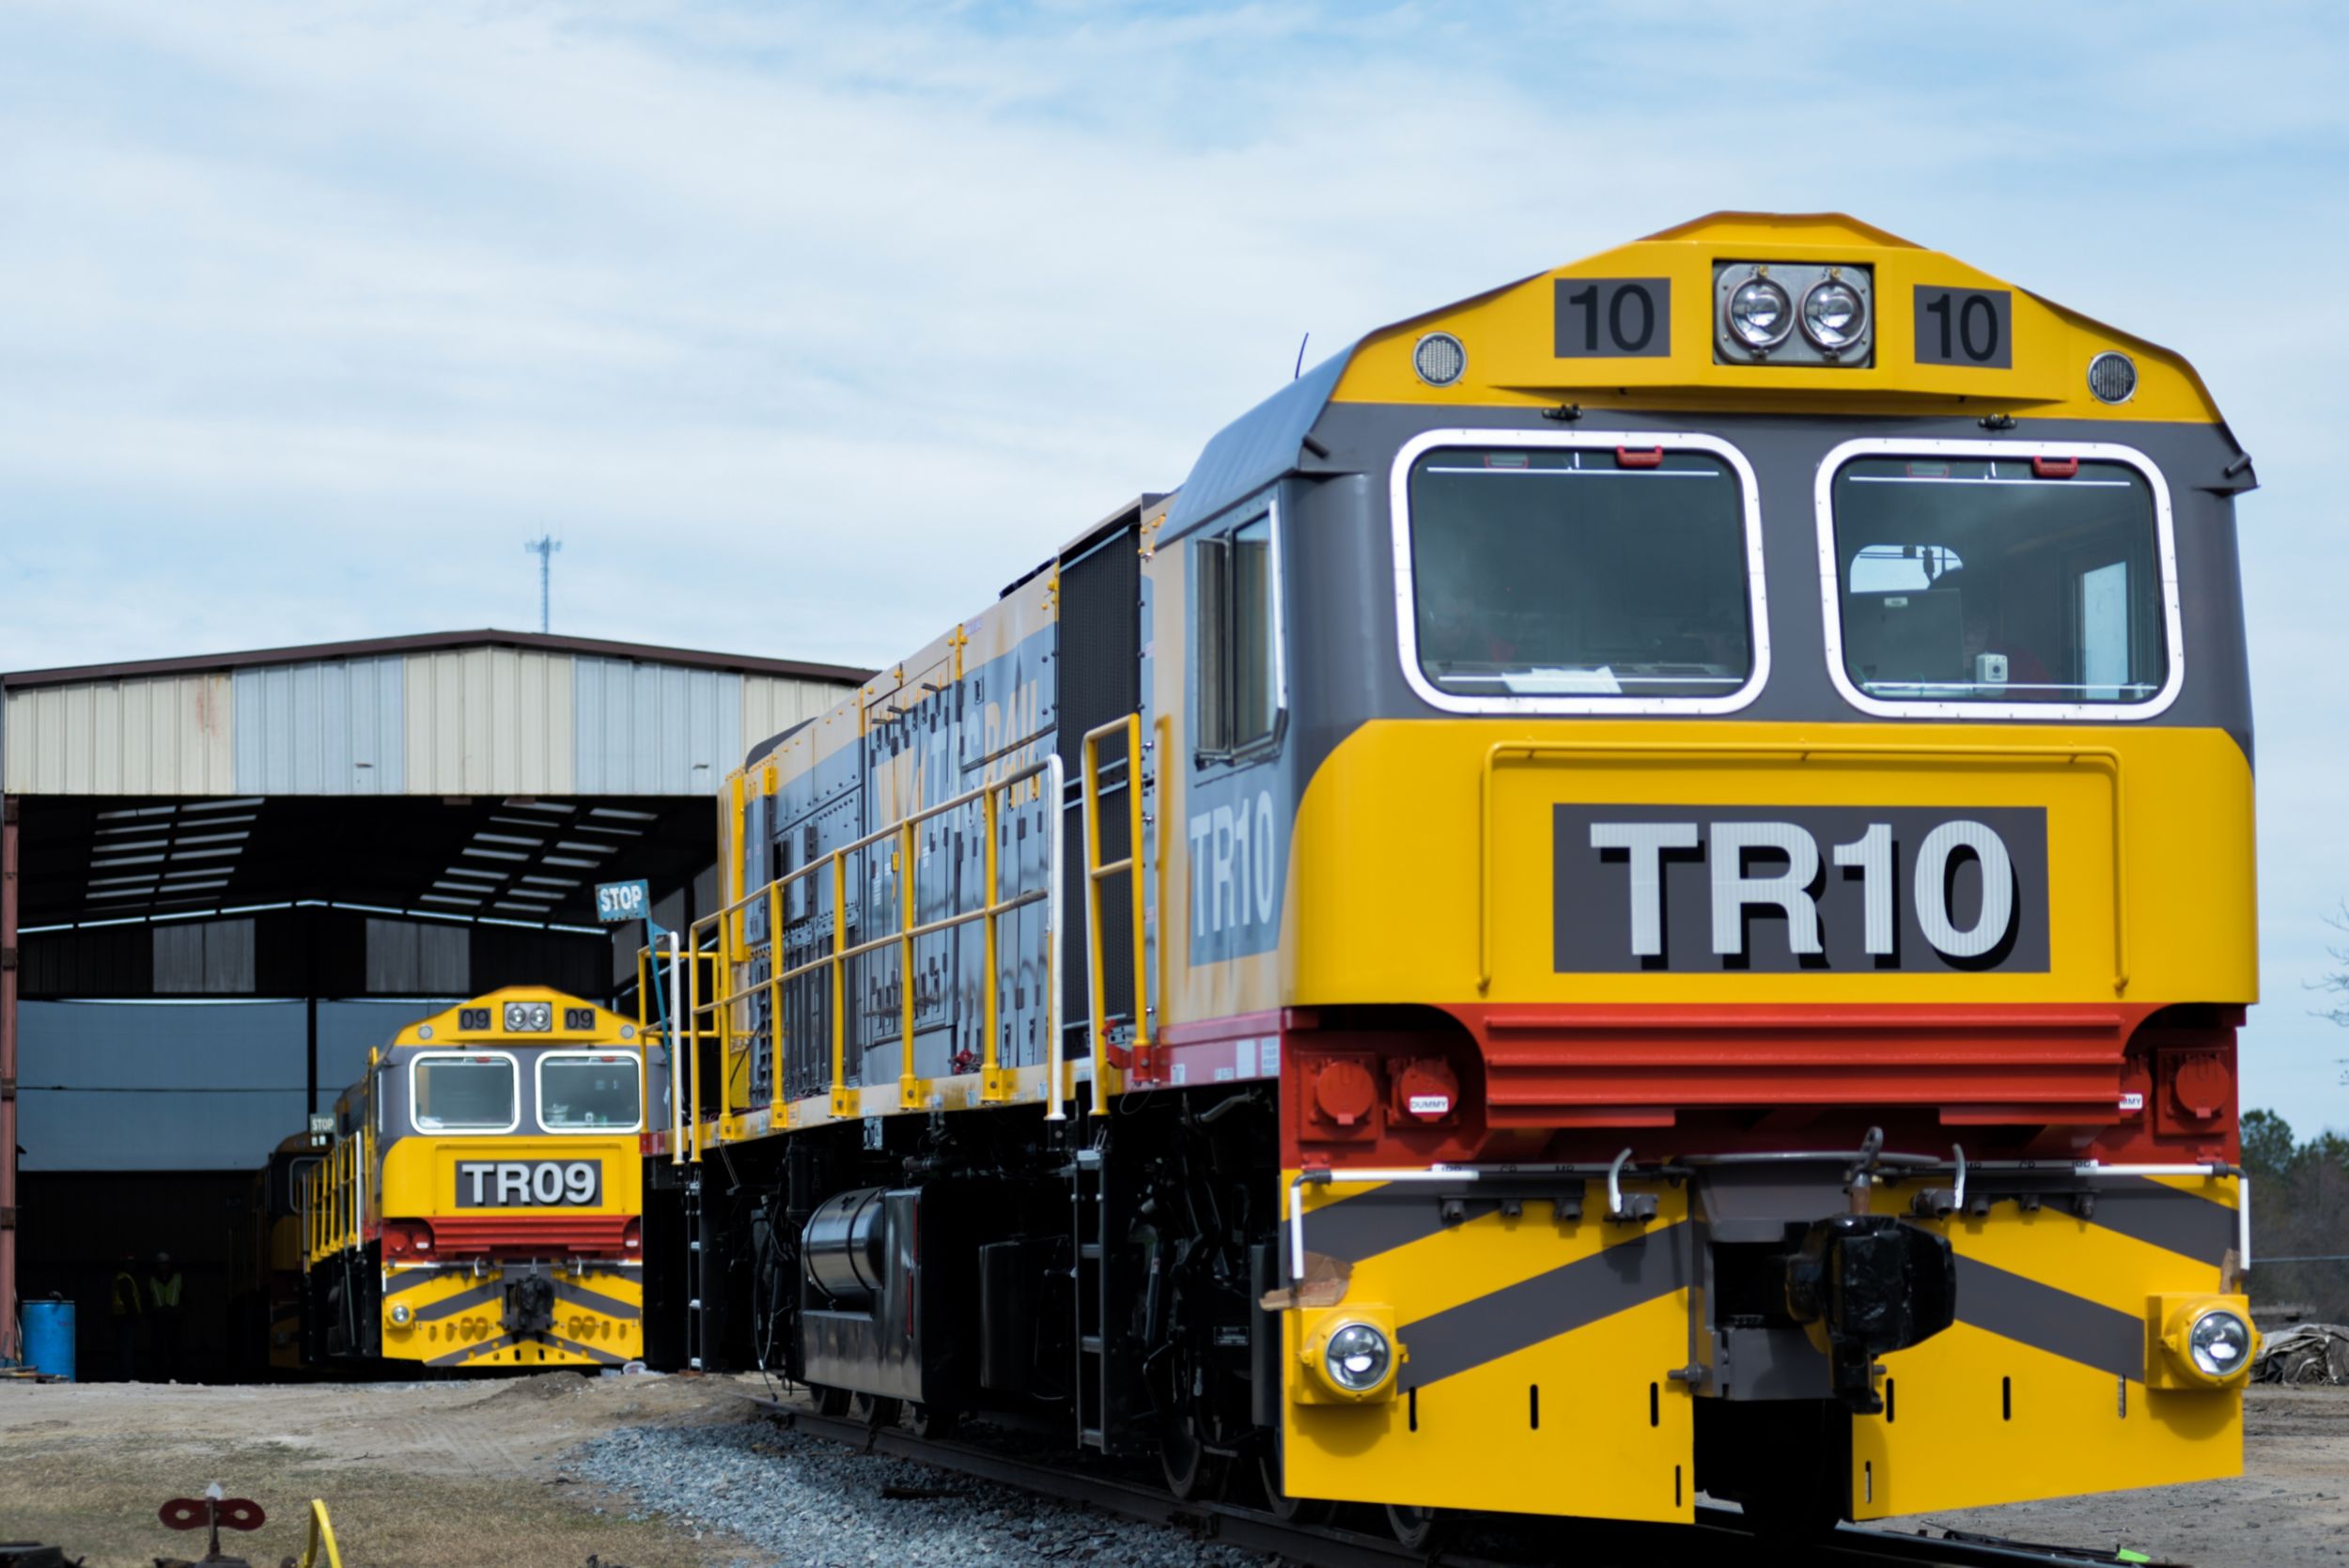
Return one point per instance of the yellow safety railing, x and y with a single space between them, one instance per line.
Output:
319 1550
719 951
1097 873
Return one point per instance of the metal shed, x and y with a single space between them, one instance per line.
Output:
313 844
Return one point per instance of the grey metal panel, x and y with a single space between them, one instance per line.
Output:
654 729
142 1088
212 957
417 957
331 728
1257 448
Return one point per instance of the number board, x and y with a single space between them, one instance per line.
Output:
620 901
1972 327
1614 317
1788 888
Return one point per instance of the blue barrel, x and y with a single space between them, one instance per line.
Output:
49 1337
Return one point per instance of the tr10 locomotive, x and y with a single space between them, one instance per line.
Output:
1643 883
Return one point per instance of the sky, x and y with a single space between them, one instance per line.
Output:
806 327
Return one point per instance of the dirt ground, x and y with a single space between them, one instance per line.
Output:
2290 1508
461 1475
421 1475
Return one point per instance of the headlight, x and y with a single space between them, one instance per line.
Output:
1834 316
1358 1357
2219 1341
528 1018
400 1314
1760 315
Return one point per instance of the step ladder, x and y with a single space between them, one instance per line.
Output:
696 1263
1089 1220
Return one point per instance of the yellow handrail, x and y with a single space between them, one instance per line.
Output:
706 1012
1096 874
322 1534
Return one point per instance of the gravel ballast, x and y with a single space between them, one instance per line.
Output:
811 1501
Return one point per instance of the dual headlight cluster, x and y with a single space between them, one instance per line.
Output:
1794 313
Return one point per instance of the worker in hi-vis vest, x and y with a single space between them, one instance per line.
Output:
124 1300
163 1312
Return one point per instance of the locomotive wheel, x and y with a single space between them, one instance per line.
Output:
873 1410
1288 1510
929 1421
1415 1529
1191 1471
830 1402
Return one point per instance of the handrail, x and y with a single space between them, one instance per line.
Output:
2104 757
322 1534
1096 872
709 1012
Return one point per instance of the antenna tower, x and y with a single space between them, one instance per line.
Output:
544 547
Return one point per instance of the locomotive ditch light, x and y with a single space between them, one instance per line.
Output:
1351 1358
2202 1342
402 1314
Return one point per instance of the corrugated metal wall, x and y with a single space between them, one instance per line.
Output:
166 735
656 729
331 728
482 720
490 722
772 705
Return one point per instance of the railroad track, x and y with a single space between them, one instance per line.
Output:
1719 1536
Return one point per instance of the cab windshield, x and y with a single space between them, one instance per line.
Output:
1999 579
463 1093
588 1094
1579 572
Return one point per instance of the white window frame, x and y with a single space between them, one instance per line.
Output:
539 1087
414 1100
1831 587
1407 598
1266 504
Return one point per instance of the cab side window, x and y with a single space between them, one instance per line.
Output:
1235 640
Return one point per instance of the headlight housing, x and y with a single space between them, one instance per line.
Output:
1357 1358
528 1018
1349 1356
2219 1343
1834 317
2200 1341
1758 314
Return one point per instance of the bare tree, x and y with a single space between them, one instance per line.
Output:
2336 983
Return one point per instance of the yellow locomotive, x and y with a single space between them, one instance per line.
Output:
477 1203
1643 883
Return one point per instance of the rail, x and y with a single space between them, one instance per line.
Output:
1797 752
1715 1534
707 996
1096 873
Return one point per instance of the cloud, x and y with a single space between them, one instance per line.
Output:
316 311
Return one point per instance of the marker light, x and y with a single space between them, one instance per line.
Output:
2220 1343
2112 378
1357 1358
1440 359
1760 316
1834 316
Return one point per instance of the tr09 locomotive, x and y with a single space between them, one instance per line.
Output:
1643 883
474 1206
